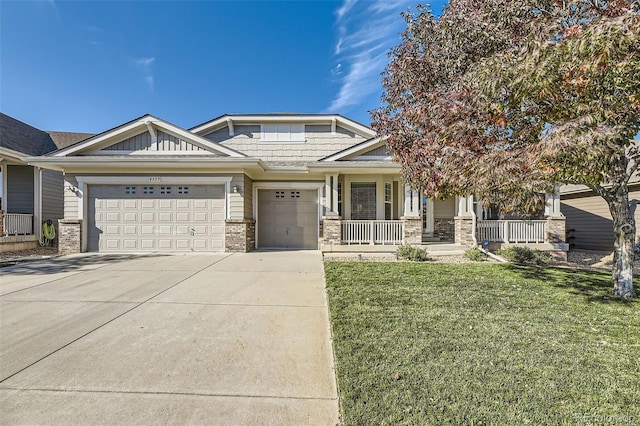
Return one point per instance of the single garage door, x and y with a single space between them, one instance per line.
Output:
156 218
288 219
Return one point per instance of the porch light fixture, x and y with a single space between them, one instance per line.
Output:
235 189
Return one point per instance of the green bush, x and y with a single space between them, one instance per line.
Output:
525 255
475 254
416 254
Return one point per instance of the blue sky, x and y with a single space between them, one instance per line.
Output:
88 66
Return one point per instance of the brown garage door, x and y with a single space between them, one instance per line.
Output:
288 218
141 218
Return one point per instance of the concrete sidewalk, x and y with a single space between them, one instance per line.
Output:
182 339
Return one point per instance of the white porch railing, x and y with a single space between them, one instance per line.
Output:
18 224
372 232
512 231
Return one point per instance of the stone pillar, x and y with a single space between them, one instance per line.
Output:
70 236
464 230
412 230
556 229
239 235
331 230
1 223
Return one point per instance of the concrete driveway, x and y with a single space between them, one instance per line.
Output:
156 339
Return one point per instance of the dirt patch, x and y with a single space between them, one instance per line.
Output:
36 253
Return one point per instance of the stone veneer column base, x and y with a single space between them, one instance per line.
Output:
556 229
412 230
331 230
464 230
239 235
69 236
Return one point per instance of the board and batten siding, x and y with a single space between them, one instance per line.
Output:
20 180
52 195
319 142
589 217
142 142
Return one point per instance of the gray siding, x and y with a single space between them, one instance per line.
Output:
19 189
320 142
444 209
52 195
142 142
71 200
381 151
588 215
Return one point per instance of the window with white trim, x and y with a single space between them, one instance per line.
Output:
282 132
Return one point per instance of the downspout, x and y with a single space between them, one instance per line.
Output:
473 228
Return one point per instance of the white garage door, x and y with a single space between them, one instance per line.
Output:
288 219
156 218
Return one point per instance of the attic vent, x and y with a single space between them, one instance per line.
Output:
279 194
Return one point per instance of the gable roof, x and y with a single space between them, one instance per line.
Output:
356 149
64 139
224 120
21 137
144 123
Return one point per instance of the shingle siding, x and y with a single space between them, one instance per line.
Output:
20 181
320 142
589 217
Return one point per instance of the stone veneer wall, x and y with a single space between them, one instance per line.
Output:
444 229
556 229
412 230
240 235
69 236
331 230
463 230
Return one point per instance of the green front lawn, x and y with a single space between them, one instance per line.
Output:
427 343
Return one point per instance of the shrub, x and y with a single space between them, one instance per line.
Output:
474 254
525 255
416 254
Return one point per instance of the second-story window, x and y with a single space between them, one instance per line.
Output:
282 132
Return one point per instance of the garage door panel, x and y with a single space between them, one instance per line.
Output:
162 218
288 218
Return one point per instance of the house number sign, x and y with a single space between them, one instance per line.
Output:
155 179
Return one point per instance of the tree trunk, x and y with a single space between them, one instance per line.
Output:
624 228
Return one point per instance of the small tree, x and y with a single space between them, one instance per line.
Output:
508 99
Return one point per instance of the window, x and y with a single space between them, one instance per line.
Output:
279 194
147 189
387 201
183 190
295 194
282 132
165 190
363 201
130 190
339 198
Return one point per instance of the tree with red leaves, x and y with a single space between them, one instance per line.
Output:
508 99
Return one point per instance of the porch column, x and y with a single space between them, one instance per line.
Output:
331 195
464 221
327 196
552 205
412 201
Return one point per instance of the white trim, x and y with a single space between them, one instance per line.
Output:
372 158
230 126
154 136
354 150
288 185
140 125
37 200
344 122
3 205
12 155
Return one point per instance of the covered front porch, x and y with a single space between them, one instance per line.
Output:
368 213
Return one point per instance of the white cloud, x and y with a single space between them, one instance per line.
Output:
366 32
145 66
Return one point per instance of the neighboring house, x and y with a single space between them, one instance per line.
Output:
29 195
589 223
240 182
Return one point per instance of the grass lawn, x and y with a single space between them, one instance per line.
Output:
434 343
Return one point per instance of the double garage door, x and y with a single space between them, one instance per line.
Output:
141 218
288 218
